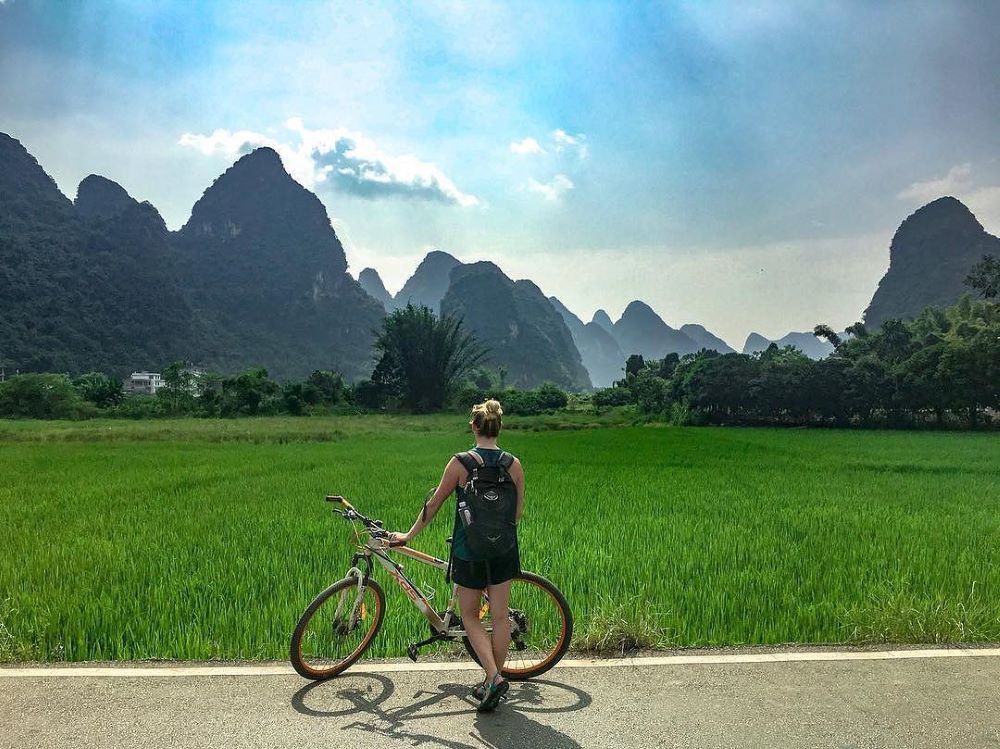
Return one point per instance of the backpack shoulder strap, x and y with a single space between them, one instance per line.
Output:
469 460
506 460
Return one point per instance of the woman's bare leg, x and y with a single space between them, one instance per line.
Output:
469 600
499 602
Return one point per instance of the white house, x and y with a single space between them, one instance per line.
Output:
143 382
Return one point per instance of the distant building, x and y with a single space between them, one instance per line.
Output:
146 383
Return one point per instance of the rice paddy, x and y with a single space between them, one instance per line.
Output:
202 539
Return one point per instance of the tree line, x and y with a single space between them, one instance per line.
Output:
942 368
424 364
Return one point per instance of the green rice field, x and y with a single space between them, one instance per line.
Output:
206 539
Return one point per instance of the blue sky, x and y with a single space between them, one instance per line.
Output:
740 165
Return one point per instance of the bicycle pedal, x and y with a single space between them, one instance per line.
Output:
411 651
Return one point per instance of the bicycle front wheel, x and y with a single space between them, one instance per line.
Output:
541 626
337 628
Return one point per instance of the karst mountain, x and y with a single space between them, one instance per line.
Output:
258 277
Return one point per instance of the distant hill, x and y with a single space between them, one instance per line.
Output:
83 291
99 197
705 338
267 277
256 277
371 282
28 196
756 342
599 351
807 343
931 254
519 325
602 319
429 282
641 331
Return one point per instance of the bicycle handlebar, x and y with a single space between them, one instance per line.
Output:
349 513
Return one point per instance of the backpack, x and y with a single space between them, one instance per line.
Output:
488 507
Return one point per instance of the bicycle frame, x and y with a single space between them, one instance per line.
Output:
374 548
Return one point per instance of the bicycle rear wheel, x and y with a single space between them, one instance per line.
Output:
337 628
541 626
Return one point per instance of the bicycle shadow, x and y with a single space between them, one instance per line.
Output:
366 695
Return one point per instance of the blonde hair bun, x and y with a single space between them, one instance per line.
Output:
487 417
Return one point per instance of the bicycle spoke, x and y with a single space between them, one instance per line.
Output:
339 629
537 626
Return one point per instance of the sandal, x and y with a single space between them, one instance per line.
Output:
495 692
479 691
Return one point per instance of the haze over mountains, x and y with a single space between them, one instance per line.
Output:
258 277
807 343
601 343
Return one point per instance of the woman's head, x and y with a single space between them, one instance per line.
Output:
486 418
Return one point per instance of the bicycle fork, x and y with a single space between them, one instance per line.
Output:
356 608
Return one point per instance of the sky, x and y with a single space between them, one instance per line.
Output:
739 165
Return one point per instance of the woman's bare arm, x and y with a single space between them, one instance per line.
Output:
453 473
517 476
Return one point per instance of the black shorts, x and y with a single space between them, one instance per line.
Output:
479 574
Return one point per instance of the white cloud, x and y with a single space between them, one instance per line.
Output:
551 190
958 179
983 200
526 146
563 144
566 142
340 159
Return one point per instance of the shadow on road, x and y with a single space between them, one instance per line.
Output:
366 697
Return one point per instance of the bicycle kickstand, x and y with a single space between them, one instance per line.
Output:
413 648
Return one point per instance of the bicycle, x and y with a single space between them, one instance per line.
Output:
339 625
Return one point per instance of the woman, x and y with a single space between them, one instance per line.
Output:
473 574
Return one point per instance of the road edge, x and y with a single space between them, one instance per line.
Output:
180 669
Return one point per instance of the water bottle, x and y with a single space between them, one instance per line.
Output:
465 514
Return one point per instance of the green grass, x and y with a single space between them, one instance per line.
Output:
283 429
206 539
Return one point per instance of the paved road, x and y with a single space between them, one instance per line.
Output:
919 702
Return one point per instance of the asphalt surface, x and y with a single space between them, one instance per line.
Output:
918 702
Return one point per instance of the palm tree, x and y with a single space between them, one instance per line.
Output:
422 357
985 277
825 331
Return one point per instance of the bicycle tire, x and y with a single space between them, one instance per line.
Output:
553 657
301 666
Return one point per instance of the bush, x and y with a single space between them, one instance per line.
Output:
99 389
613 396
651 393
465 396
544 398
42 396
250 393
373 395
322 388
550 397
139 407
